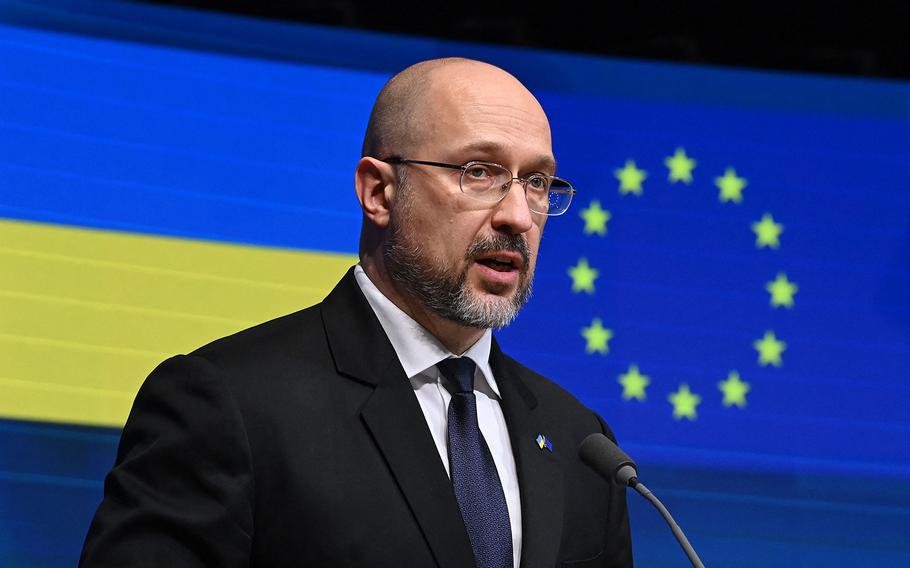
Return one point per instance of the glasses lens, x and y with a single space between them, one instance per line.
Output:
553 202
484 181
537 189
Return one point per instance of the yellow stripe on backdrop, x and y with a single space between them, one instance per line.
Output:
86 314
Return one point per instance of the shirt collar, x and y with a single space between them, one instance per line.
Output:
416 347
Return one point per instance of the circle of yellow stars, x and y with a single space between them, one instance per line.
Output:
767 230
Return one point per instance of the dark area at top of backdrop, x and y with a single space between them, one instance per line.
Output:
850 38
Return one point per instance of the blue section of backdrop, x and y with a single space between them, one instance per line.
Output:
253 139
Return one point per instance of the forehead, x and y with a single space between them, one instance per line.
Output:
482 109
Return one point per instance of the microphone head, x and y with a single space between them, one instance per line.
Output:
605 457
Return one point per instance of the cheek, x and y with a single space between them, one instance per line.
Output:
534 236
534 247
445 239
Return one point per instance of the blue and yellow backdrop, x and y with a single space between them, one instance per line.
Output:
730 290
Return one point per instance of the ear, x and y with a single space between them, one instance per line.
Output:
374 182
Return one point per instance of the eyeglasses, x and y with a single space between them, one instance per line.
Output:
490 182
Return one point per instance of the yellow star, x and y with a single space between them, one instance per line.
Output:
633 384
595 219
769 350
782 291
684 403
731 187
767 232
597 337
583 277
734 390
630 178
680 166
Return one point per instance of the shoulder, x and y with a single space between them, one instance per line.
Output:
225 372
289 336
299 340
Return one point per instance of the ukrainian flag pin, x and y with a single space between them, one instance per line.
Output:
544 442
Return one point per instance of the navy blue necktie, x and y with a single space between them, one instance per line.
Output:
474 476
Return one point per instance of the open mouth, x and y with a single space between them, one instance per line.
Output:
498 264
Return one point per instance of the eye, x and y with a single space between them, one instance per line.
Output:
538 182
478 172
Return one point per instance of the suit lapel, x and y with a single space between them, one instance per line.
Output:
539 475
393 416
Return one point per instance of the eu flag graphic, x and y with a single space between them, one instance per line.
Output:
730 283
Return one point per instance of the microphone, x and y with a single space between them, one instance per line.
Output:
603 456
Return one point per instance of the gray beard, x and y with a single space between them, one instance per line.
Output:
446 293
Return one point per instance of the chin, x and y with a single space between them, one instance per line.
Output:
494 305
493 291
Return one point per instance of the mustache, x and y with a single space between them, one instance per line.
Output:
500 242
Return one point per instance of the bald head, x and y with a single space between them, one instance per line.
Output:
425 240
408 107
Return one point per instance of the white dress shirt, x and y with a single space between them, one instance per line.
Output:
419 352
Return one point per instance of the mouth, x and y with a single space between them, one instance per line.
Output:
501 261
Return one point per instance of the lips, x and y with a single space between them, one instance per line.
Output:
501 261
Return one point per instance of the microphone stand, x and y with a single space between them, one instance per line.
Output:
603 456
677 532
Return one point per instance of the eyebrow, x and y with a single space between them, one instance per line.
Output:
543 161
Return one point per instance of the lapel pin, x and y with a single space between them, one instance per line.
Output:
544 442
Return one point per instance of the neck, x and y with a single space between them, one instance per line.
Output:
455 337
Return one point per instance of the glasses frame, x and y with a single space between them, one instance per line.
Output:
571 191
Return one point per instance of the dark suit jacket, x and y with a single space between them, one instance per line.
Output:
300 442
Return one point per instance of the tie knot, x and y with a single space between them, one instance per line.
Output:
459 374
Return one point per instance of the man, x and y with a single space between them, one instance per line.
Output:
384 426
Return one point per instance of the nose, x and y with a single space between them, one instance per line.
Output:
512 214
